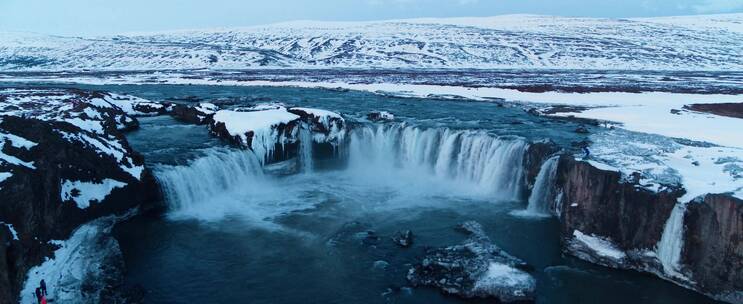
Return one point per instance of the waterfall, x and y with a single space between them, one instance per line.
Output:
544 192
202 179
493 164
672 242
305 149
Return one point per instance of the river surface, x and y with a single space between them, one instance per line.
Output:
235 232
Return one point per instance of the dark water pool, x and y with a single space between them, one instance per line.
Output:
298 239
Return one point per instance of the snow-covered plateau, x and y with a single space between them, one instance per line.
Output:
709 42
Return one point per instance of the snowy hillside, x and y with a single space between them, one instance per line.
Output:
516 41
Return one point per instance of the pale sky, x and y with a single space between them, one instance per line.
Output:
98 17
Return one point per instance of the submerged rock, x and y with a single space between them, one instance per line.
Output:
581 130
403 238
476 268
380 116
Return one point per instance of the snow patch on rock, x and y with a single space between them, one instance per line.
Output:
85 193
13 233
257 130
599 245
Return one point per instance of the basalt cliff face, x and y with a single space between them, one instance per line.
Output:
64 162
714 250
612 221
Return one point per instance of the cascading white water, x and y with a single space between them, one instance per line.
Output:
543 193
494 165
220 170
305 149
672 242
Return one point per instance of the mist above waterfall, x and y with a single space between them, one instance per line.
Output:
392 165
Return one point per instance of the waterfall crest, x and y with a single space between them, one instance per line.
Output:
202 179
493 164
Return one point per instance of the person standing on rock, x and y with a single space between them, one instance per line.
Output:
39 296
42 284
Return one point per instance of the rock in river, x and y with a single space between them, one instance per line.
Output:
475 268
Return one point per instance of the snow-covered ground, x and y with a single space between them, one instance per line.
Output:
515 41
85 193
701 168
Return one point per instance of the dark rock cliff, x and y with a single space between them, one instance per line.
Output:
602 204
714 246
32 198
599 202
200 114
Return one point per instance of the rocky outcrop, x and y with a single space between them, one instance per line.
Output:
536 154
722 109
380 116
200 114
321 121
271 134
713 253
64 162
475 269
600 202
403 238
613 221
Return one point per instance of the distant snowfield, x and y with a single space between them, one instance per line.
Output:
709 43
648 112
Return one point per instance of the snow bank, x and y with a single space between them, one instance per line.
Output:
600 246
85 193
